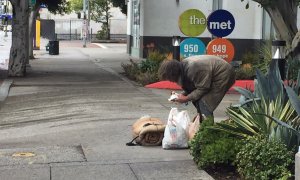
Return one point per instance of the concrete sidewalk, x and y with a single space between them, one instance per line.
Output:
71 116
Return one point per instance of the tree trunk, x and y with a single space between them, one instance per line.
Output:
107 29
107 19
284 17
108 32
284 21
32 19
19 48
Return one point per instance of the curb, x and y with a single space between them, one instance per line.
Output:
246 84
4 89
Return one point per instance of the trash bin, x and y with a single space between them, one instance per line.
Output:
53 47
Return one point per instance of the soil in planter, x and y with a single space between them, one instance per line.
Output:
223 172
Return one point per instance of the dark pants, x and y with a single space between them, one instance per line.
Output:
202 108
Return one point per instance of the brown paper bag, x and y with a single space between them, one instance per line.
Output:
194 127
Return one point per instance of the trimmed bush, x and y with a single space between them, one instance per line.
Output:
211 147
261 159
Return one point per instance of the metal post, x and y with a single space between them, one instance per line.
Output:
75 34
70 30
278 52
176 47
89 18
91 34
6 15
84 23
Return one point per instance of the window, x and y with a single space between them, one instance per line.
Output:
217 4
268 30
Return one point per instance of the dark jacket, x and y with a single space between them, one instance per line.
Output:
206 77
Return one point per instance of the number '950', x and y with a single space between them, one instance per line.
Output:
191 48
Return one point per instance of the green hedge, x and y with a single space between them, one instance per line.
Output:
211 147
261 159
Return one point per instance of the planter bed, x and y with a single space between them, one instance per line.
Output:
248 84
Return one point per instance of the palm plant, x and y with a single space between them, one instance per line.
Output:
265 51
248 121
273 110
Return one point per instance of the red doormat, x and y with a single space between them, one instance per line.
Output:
247 84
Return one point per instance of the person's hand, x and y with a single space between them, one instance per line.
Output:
182 98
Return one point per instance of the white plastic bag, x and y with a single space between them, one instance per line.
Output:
176 131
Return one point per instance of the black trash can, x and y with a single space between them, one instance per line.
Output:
53 47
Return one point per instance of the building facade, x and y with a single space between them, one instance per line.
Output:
153 23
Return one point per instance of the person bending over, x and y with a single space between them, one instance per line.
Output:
205 80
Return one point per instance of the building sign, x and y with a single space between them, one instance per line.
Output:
192 22
191 47
220 23
222 48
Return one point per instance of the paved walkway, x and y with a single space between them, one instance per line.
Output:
71 116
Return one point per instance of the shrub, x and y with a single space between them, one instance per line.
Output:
211 147
103 33
156 56
261 159
149 66
246 71
265 52
293 69
147 78
131 70
145 72
250 58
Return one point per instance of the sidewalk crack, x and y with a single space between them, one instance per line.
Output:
81 150
50 173
132 171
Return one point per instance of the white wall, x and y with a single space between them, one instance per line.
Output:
160 17
129 16
248 22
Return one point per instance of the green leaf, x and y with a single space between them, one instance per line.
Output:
297 87
293 98
242 121
247 5
274 80
248 94
280 123
229 130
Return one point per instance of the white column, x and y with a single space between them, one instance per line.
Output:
84 23
297 166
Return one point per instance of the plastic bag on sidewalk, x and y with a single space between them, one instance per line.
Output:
176 131
194 127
